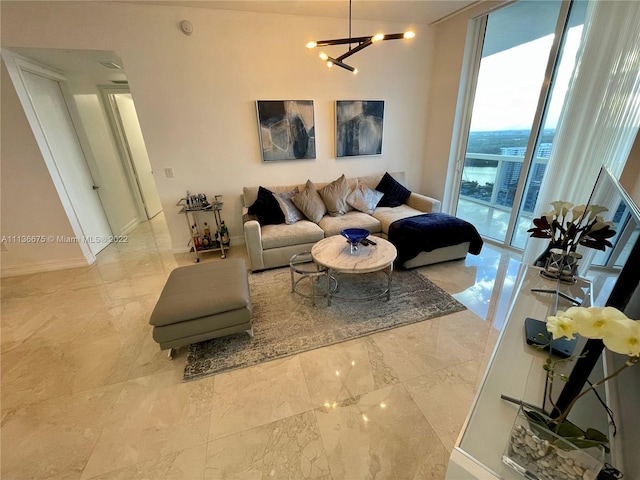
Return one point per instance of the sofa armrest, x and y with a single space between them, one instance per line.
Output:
253 242
423 203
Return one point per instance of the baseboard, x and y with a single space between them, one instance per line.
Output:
130 227
41 267
237 240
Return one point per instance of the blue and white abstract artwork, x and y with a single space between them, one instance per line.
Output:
359 127
287 130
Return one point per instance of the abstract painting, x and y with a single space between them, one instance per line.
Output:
359 127
287 130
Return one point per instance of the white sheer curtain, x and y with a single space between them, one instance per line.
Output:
601 113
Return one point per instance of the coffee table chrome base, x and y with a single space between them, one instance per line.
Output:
316 291
303 265
333 293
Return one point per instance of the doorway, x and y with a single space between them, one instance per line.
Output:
81 72
523 72
128 135
42 94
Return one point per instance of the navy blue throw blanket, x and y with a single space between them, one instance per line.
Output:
424 233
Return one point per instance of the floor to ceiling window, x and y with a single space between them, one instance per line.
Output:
528 56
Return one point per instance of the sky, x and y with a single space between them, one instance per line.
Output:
509 85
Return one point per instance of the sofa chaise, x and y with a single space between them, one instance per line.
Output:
271 243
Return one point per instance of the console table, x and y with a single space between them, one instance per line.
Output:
515 369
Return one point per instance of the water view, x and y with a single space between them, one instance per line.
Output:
492 168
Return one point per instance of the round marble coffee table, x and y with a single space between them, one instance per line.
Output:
335 254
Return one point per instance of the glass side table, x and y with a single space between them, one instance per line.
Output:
320 282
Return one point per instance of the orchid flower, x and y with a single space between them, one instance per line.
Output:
619 334
560 326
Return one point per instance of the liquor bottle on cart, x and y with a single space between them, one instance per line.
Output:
197 244
224 234
206 237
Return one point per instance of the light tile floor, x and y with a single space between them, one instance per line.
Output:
86 392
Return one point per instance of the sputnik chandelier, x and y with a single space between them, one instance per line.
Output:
362 43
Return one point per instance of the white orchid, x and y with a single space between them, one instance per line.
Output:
593 322
605 323
561 326
624 337
619 334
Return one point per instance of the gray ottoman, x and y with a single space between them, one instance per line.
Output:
201 302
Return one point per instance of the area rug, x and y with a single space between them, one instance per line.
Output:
285 323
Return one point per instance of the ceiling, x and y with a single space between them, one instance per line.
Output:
86 62
406 11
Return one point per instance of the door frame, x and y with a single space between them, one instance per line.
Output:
119 138
16 64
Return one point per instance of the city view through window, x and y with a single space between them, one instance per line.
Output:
507 93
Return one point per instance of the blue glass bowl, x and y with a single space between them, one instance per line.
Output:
355 235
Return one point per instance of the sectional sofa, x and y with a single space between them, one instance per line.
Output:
271 243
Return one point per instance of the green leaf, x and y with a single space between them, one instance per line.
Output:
536 417
593 434
584 443
568 429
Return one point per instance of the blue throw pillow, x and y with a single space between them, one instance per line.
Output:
266 208
395 193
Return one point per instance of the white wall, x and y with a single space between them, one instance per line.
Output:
30 203
195 95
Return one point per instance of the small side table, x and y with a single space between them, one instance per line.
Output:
303 265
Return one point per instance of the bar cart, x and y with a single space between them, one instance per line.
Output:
195 216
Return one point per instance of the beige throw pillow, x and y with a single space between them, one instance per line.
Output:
310 203
335 196
363 198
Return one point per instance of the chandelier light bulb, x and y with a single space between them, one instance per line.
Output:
323 56
377 37
355 71
409 34
312 45
329 64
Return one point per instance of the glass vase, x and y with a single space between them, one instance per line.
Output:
562 264
539 453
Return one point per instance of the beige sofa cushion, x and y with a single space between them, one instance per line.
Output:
352 219
283 235
310 202
388 215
